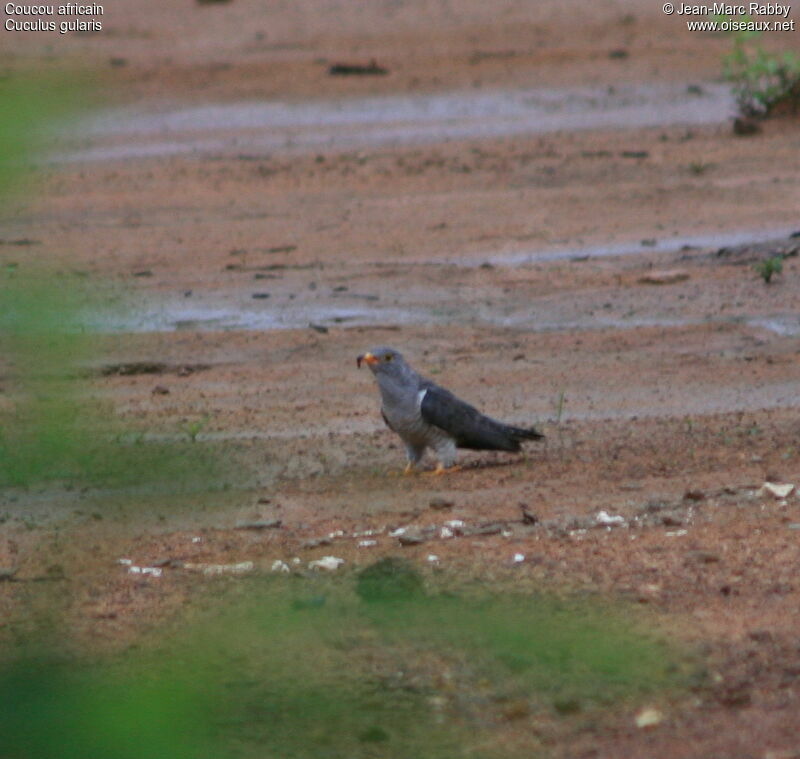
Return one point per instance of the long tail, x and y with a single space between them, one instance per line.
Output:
525 433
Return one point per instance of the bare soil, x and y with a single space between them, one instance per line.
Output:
665 404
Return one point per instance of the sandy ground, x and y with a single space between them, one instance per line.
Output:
524 271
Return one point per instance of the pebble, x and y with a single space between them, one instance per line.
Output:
280 566
440 504
409 539
260 524
243 567
326 563
605 519
649 717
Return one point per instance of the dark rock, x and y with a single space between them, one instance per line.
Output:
440 503
410 539
259 524
694 495
357 69
528 517
702 557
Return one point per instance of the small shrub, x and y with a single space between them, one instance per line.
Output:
763 82
768 267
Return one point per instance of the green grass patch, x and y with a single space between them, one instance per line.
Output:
53 427
320 668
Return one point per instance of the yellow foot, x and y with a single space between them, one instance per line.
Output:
440 469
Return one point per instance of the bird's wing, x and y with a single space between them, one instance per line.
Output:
465 423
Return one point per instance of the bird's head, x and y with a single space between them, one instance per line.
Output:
384 362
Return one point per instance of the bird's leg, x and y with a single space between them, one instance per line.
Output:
414 454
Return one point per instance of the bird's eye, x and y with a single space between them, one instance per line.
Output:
387 357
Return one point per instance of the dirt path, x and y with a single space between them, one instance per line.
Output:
524 269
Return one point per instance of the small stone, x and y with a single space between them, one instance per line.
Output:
777 490
7 573
456 525
410 539
694 495
604 519
702 557
649 717
160 390
280 566
518 558
326 563
259 524
366 543
440 504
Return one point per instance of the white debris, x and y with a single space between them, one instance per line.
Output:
152 571
455 524
328 563
518 558
398 532
336 534
445 533
366 533
197 540
676 533
433 558
609 520
280 566
649 717
366 543
125 562
296 560
507 533
777 489
243 567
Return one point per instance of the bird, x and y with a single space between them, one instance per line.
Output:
426 415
